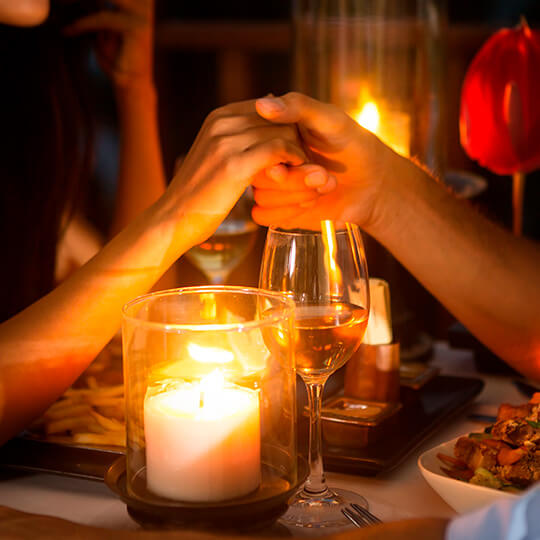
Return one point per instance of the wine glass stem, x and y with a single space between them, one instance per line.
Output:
217 278
316 483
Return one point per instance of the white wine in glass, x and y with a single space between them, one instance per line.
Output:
325 272
217 256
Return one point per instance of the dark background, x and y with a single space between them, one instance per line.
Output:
210 53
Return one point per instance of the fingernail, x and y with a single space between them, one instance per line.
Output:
314 179
277 173
308 204
329 186
271 105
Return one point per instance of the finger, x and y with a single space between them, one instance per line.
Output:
246 123
232 109
275 216
309 176
277 173
238 142
104 20
225 123
246 164
268 198
300 109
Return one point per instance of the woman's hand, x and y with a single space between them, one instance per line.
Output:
124 40
234 145
346 176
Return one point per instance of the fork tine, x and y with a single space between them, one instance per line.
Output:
366 514
356 519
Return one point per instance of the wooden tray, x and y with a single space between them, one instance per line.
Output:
423 411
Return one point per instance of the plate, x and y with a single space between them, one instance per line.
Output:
461 496
464 184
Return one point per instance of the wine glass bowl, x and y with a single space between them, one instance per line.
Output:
325 273
217 256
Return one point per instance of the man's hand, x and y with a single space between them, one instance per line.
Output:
348 168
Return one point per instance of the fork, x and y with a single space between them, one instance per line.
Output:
359 516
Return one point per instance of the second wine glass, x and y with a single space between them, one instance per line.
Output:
325 273
217 256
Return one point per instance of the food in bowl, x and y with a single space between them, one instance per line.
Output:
506 456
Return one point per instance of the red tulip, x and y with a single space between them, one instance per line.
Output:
499 120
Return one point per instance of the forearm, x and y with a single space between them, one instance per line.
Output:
141 179
485 276
46 347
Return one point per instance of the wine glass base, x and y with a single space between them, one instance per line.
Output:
321 511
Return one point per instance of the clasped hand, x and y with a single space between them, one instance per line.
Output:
345 174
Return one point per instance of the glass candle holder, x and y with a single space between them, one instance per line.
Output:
210 396
382 63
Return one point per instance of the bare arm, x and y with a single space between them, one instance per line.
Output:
141 179
124 48
488 279
46 346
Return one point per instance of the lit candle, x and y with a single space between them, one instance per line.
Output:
392 127
202 440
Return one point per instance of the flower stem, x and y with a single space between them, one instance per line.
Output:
518 188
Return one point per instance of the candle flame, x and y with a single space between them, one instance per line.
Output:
330 256
369 116
213 382
209 355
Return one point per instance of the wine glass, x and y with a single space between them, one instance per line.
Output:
325 273
217 256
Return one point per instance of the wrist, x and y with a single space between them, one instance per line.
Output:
400 188
138 91
167 217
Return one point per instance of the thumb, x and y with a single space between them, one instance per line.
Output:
296 108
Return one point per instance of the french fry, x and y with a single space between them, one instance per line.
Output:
62 403
109 391
108 423
73 410
113 411
71 424
105 401
91 381
116 438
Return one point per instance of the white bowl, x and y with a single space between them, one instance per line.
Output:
461 496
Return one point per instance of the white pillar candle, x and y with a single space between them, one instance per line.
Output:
202 441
